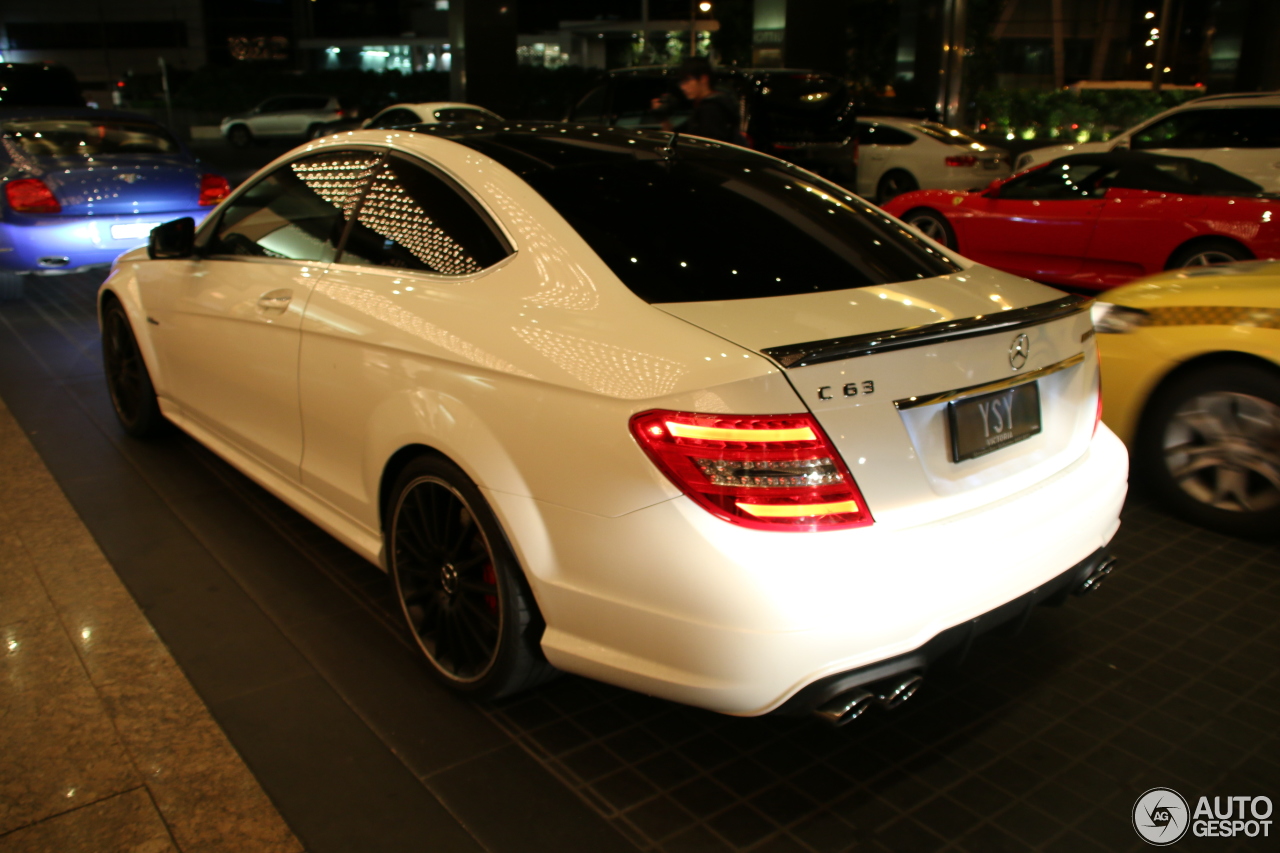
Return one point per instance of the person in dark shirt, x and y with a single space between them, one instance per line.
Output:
715 113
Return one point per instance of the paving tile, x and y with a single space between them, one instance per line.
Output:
125 823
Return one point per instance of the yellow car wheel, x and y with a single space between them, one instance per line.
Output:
1210 448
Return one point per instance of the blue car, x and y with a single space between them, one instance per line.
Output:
80 186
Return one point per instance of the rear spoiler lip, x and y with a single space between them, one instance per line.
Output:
792 356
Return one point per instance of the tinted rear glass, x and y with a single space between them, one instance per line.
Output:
799 105
699 230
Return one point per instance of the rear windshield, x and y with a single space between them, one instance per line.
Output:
804 106
949 135
75 137
698 230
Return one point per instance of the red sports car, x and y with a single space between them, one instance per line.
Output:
1099 220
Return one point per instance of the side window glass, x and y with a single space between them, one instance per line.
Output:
396 118
297 212
591 107
1191 129
633 102
1056 181
882 135
271 105
414 220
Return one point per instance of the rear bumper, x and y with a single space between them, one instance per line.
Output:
954 642
673 602
64 243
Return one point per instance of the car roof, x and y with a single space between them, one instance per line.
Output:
527 148
1119 157
1243 99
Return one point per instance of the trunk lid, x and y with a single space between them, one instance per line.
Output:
883 367
142 184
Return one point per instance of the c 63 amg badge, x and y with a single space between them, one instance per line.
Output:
849 389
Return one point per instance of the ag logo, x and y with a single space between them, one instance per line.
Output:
1160 816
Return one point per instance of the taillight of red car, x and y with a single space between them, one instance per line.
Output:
766 472
962 160
30 195
213 189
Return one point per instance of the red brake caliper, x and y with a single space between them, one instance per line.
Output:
490 578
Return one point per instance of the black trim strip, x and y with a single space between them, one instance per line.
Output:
988 387
835 349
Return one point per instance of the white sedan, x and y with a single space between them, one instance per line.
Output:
898 155
1239 132
670 414
431 112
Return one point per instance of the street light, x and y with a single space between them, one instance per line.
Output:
694 8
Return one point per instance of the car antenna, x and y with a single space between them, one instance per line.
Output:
670 150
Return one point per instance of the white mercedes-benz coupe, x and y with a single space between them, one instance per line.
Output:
656 410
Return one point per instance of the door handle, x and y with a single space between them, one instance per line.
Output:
275 300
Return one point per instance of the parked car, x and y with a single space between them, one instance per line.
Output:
802 116
582 426
1240 133
1191 367
898 155
400 115
1099 220
286 117
79 186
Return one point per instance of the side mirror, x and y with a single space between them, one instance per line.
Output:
993 188
176 239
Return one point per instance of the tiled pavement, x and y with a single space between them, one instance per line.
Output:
1165 677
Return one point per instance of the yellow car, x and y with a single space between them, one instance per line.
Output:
1191 382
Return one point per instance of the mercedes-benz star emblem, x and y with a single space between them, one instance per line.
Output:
1019 352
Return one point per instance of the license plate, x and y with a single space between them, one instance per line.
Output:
132 230
982 425
990 164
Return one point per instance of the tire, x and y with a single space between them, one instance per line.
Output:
461 591
1209 448
132 394
932 224
240 136
11 286
893 184
1204 252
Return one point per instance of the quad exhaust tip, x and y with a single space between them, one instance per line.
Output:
1097 576
888 694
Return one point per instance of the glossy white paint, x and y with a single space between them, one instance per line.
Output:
924 159
526 373
1260 165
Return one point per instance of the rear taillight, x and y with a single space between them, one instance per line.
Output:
29 195
962 160
766 472
213 189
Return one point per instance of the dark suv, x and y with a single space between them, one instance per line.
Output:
806 117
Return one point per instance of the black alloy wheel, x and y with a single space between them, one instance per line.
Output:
461 591
240 136
132 395
893 184
1209 447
